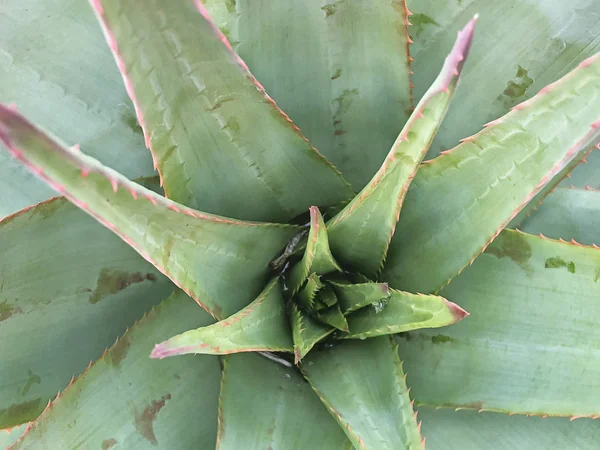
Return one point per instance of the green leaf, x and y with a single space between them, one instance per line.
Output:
306 332
222 263
306 296
528 350
68 289
340 69
520 48
468 430
131 401
260 326
9 436
220 143
355 296
317 257
360 234
369 400
333 316
267 405
49 67
567 214
402 311
446 222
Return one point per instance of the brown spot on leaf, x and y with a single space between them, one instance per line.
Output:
512 245
31 380
338 132
48 208
7 310
108 443
18 413
112 281
329 9
119 351
337 74
144 422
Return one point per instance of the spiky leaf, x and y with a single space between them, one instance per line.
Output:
220 143
506 165
220 262
306 332
129 400
567 214
248 420
68 289
260 326
526 350
317 257
49 67
360 234
340 69
378 414
402 311
355 296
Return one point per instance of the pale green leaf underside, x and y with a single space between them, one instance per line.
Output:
468 430
69 289
339 69
535 43
222 263
128 400
360 234
530 345
57 68
220 143
567 214
362 384
402 311
267 405
505 164
261 326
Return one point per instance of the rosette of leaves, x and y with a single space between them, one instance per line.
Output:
303 276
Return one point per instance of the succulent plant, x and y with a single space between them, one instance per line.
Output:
301 292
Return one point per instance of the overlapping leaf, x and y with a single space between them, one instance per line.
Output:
360 234
220 143
222 263
128 400
506 165
57 68
69 289
341 70
378 413
530 344
266 405
260 326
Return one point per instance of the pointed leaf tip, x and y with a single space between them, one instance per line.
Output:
456 311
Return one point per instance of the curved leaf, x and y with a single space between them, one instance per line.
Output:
369 400
128 400
49 67
69 288
521 47
220 143
222 263
317 257
523 350
266 405
359 295
567 214
446 223
402 311
306 332
340 69
260 326
360 234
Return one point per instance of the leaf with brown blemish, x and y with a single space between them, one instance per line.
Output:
112 281
144 422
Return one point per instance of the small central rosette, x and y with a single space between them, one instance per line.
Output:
321 295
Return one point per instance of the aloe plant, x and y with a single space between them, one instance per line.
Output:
274 299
